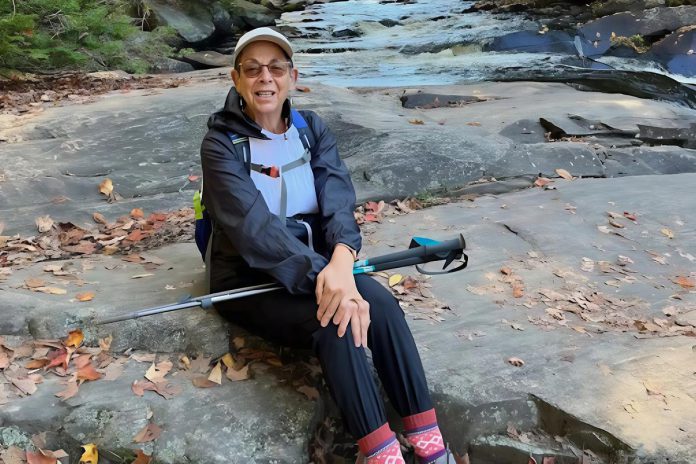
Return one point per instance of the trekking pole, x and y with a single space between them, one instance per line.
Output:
421 251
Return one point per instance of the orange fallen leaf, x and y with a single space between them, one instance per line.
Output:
75 338
203 382
685 282
37 363
99 218
517 290
418 122
106 187
193 178
140 386
149 433
88 373
137 213
564 174
141 458
302 88
85 296
542 181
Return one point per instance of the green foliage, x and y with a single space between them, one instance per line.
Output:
83 34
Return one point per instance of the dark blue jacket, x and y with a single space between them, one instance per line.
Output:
249 242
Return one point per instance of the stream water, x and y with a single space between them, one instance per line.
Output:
365 43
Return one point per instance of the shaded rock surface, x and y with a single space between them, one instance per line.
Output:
68 151
588 373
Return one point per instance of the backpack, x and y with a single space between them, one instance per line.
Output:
204 224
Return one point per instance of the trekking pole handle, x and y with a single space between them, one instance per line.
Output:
427 252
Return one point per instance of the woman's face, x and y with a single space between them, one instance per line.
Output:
265 93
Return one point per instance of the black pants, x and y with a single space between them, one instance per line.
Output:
291 320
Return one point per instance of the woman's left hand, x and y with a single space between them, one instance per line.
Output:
339 300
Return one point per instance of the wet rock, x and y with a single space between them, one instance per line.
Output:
429 100
577 126
639 84
345 32
247 15
389 22
677 51
680 136
169 65
533 42
653 23
609 7
209 59
193 22
648 160
525 131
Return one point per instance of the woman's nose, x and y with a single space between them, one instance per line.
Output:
266 75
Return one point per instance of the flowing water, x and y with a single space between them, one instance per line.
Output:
419 43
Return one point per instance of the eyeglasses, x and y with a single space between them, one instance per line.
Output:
277 68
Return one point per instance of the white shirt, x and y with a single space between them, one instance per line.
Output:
282 149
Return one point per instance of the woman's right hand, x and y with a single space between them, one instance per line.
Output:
339 300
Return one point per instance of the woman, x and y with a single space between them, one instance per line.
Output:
261 166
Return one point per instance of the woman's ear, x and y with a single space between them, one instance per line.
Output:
294 74
235 76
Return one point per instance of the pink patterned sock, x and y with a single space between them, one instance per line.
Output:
381 447
424 435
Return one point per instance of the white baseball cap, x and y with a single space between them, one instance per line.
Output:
262 33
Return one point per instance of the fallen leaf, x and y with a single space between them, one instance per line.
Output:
203 382
651 390
564 174
34 364
517 362
684 282
630 216
137 213
33 282
241 374
91 454
75 338
145 357
140 386
517 290
395 279
99 218
25 385
51 290
667 232
156 372
473 123
71 389
506 271
310 392
88 373
418 122
615 224
542 181
193 178
140 276
106 187
302 88
149 433
227 360
40 458
216 374
141 458
85 296
44 223
105 343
